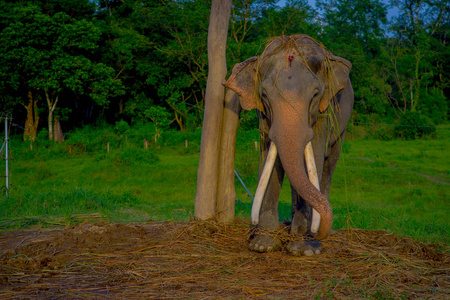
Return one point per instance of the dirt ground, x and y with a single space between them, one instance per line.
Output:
203 260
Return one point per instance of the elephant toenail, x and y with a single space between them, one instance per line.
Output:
308 253
270 248
317 251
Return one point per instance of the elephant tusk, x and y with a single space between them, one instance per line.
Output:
265 176
263 181
314 178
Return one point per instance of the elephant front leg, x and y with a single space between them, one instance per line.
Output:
300 226
263 241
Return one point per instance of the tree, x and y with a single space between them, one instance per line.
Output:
185 54
355 30
294 18
126 48
49 54
208 169
159 51
416 56
160 117
243 40
13 88
359 19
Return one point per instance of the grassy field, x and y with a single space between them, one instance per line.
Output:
399 186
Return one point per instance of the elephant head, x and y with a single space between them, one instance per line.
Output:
291 82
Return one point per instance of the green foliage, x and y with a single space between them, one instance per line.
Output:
116 60
434 105
51 54
361 19
415 125
249 120
121 127
160 118
178 138
135 156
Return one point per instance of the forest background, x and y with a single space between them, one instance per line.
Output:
70 63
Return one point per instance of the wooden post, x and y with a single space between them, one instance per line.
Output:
107 147
186 143
7 157
145 144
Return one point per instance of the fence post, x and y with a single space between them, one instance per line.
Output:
107 147
7 157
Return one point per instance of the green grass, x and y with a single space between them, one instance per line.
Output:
399 186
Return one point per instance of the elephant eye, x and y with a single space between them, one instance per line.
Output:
263 94
316 92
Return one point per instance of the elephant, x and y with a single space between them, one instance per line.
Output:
303 95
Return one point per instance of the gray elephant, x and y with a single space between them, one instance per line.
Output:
304 95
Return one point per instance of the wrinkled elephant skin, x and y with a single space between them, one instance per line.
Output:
304 94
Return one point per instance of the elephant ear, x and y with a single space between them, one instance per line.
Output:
243 81
336 77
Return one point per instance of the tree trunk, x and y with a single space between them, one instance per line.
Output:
208 174
226 193
121 105
32 121
58 135
51 108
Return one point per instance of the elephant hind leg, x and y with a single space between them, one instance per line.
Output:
329 166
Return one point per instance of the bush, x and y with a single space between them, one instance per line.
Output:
121 127
177 138
434 105
369 126
136 156
381 132
249 120
415 125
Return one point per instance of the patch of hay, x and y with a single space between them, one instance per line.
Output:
211 261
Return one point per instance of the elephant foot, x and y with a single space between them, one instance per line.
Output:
304 248
264 243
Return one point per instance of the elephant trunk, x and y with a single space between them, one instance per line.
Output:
291 149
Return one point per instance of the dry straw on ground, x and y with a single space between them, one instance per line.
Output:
202 260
